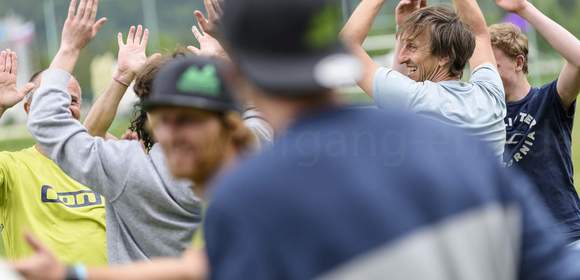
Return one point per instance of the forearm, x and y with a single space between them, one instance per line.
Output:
470 13
359 24
103 112
65 59
557 36
156 269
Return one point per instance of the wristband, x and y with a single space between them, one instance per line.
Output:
120 82
76 272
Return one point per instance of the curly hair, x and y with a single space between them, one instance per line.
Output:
143 87
511 40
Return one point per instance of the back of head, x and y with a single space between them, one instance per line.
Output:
510 40
288 47
449 36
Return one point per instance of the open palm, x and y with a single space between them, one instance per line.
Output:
9 95
511 5
132 54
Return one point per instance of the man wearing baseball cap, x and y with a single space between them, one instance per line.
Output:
196 120
360 194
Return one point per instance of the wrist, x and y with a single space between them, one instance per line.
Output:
124 77
76 272
69 51
523 11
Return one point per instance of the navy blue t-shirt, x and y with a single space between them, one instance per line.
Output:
369 194
539 140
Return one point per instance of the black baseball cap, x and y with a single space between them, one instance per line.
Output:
289 46
192 82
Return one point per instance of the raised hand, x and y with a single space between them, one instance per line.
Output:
406 8
211 24
79 29
513 6
43 265
9 94
132 54
208 45
81 25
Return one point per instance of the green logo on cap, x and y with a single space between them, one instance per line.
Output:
324 27
200 81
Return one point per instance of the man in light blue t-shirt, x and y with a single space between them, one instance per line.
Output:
434 45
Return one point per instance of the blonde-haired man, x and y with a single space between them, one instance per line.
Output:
539 119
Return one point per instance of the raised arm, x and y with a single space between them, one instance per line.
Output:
471 14
9 94
89 160
131 59
354 34
80 27
564 42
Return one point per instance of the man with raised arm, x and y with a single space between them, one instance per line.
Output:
36 196
539 119
149 213
433 46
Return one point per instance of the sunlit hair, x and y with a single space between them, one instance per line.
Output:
449 36
511 40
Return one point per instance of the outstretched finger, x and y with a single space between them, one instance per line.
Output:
88 9
98 25
94 10
120 39
145 38
131 35
208 7
196 33
217 6
201 20
9 62
71 8
2 61
81 9
138 35
14 63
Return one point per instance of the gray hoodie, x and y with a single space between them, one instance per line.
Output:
149 214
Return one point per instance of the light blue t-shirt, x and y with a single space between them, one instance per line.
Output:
477 106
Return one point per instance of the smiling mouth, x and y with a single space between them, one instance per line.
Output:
411 70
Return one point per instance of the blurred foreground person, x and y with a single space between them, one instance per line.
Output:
36 196
360 194
539 119
197 123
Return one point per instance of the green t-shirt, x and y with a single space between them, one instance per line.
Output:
37 197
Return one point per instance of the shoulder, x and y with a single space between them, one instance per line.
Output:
17 155
551 87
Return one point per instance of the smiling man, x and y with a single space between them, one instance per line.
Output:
434 45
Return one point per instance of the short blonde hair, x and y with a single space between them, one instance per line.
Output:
511 40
